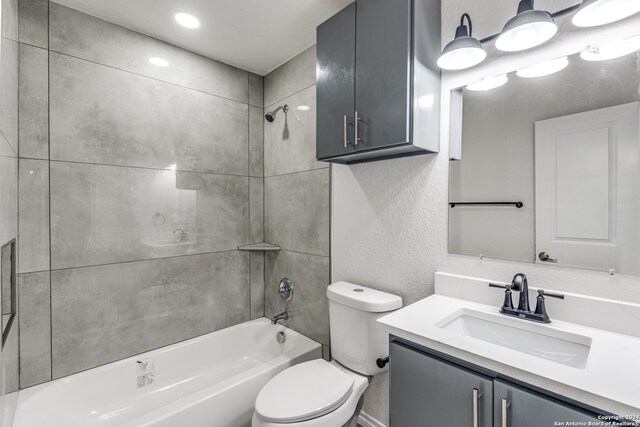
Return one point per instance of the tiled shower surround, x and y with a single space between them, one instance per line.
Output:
138 183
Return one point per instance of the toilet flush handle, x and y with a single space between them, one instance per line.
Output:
382 362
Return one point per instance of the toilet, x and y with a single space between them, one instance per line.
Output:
330 394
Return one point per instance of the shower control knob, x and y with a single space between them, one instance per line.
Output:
285 289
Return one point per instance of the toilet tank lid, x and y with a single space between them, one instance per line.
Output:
363 298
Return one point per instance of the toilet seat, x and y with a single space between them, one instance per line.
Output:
304 392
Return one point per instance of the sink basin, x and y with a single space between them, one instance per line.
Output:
537 340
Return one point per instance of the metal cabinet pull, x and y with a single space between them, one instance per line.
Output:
346 140
476 397
355 138
505 405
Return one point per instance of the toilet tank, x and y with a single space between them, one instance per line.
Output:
356 339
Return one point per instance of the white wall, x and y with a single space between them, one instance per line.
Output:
389 218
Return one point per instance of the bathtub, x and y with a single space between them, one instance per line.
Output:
209 381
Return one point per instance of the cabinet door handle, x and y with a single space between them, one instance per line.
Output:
346 140
476 397
505 405
355 126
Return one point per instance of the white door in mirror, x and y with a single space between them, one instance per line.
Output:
587 172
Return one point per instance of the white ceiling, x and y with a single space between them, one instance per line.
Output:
256 35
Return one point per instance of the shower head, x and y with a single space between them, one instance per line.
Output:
271 115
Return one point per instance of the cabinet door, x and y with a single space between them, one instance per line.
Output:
383 72
427 392
335 74
525 408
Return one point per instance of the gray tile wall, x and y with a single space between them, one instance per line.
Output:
296 200
137 185
9 147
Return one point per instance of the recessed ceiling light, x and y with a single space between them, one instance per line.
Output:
599 12
186 20
488 83
304 107
612 50
159 62
544 68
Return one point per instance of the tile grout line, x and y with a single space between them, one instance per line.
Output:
297 172
139 167
291 95
143 260
147 76
49 171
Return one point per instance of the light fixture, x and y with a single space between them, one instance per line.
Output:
304 107
186 20
529 28
464 51
612 50
599 12
159 62
544 68
488 83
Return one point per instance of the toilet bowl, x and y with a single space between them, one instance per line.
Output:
330 394
312 394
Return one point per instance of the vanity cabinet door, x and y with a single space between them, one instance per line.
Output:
525 408
335 74
428 392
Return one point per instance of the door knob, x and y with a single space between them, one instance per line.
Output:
544 256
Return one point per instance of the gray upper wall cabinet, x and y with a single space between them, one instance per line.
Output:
378 84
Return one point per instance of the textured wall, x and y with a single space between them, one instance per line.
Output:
389 219
137 185
296 199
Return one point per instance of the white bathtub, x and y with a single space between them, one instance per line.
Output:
209 381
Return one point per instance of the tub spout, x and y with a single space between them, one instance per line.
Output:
282 316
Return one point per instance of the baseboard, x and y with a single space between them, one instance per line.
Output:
366 420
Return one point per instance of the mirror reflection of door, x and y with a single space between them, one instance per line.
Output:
587 171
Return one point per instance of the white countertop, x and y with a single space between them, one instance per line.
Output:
610 381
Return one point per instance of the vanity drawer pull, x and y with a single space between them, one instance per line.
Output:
476 397
505 405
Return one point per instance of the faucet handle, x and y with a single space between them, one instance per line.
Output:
508 301
549 294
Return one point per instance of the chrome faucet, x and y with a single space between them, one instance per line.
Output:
282 316
520 284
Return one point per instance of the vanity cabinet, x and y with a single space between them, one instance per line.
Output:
378 85
515 406
428 391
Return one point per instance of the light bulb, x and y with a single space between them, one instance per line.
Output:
600 12
612 50
544 68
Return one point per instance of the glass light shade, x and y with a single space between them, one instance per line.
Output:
612 50
489 83
186 20
460 53
544 68
526 30
600 12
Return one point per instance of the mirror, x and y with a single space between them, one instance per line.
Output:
549 167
